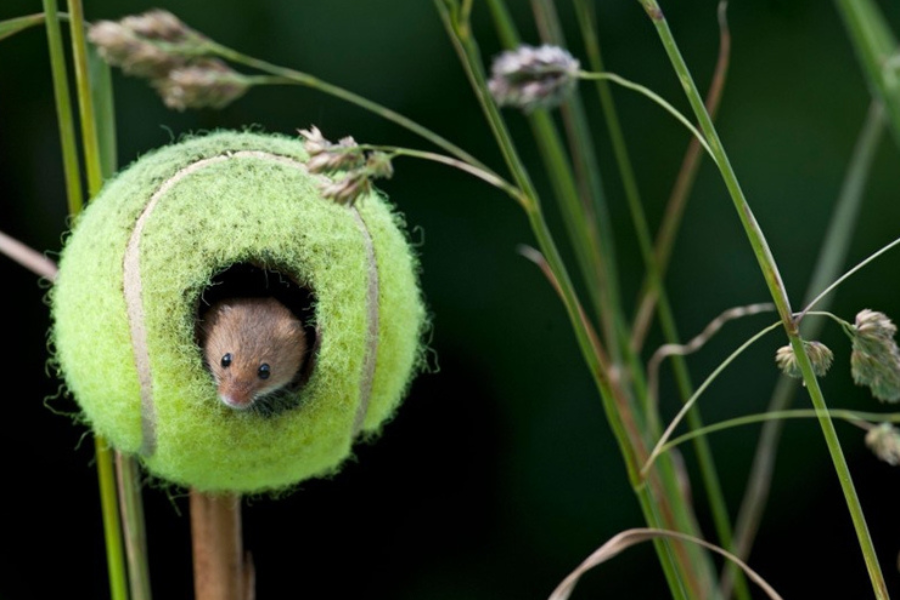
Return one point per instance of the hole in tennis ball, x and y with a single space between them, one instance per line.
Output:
250 283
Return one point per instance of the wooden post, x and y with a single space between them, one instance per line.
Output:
220 570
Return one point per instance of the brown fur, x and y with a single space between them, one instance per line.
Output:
254 331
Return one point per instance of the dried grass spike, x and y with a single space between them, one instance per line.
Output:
875 360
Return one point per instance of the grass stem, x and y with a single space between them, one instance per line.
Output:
831 259
65 118
315 83
779 294
118 575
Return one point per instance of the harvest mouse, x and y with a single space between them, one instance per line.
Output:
253 347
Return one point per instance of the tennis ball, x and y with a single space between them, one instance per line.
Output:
190 221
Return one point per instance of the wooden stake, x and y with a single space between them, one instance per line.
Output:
220 570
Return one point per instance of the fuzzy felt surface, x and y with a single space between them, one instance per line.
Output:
246 207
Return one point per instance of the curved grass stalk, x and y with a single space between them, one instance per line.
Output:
846 275
657 450
626 83
486 176
698 341
678 507
626 539
301 78
851 416
10 27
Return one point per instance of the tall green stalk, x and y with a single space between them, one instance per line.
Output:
776 287
89 139
62 97
832 257
593 209
118 576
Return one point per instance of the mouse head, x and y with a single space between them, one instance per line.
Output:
253 347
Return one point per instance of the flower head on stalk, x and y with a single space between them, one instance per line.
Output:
326 157
530 78
176 59
352 168
875 360
820 356
884 441
201 84
147 45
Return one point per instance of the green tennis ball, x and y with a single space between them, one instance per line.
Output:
139 268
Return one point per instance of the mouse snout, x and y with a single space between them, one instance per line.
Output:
236 394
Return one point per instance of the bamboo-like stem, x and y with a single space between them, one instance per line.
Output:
843 471
105 470
776 287
219 569
86 111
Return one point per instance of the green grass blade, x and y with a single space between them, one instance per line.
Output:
102 94
10 27
118 575
62 97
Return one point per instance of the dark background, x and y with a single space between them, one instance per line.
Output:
499 473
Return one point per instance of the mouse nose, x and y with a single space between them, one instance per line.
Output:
237 401
235 394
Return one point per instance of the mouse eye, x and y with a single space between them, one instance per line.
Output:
226 360
263 371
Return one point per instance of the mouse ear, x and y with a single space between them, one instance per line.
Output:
161 232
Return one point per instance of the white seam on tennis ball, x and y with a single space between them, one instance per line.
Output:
368 371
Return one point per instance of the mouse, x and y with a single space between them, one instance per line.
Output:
253 347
